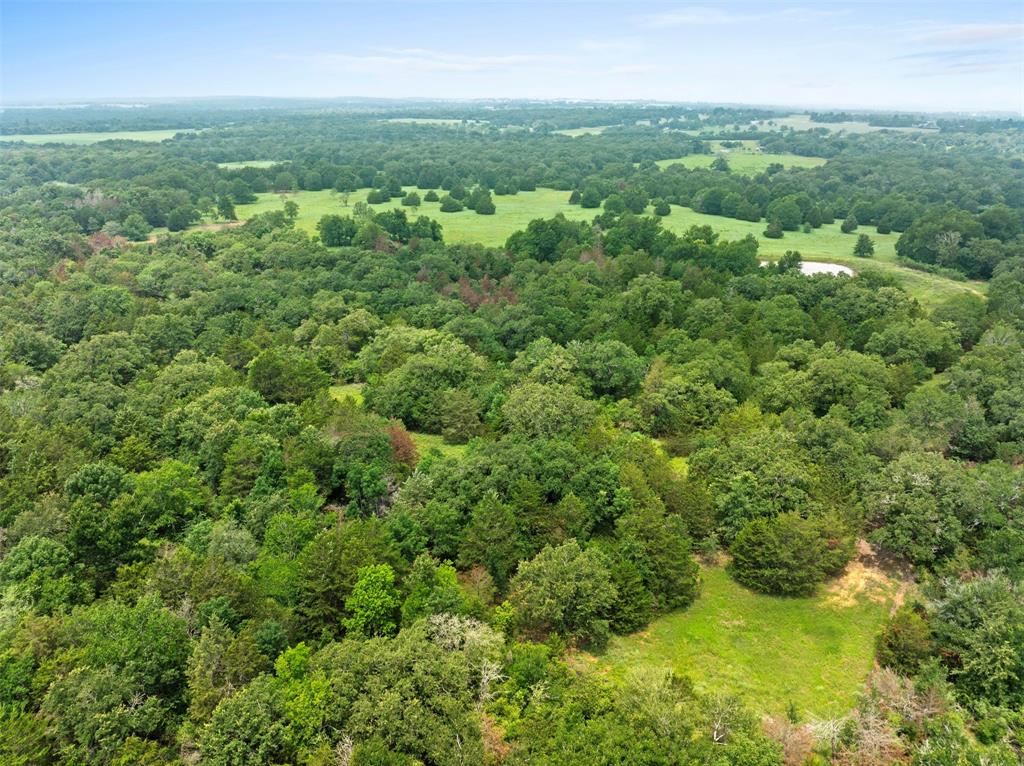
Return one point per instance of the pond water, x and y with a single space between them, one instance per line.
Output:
819 267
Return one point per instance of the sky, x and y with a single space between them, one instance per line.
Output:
901 54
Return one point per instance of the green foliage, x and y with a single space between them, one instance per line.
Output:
785 555
564 590
905 642
286 375
373 603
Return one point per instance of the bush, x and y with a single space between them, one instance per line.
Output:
905 642
450 205
782 556
774 230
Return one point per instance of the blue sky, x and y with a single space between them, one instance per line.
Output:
935 55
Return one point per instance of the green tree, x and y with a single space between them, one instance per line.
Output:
492 538
286 374
450 205
135 227
564 590
226 208
849 225
864 248
336 230
373 603
782 555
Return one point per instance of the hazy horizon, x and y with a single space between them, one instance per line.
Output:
933 57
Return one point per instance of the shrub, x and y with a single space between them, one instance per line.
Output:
782 556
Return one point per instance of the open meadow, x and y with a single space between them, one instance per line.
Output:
83 139
804 122
745 162
772 651
514 212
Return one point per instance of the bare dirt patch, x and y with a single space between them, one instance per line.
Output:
870 575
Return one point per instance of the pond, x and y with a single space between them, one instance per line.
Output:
820 267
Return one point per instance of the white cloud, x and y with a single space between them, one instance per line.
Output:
971 34
695 16
422 60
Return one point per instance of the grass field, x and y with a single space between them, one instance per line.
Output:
577 132
804 122
424 442
514 212
772 651
830 245
248 164
93 138
745 162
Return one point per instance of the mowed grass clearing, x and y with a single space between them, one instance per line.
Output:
249 164
149 136
424 442
577 132
813 652
804 122
830 245
746 163
514 212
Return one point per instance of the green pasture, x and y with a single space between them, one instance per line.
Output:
514 212
771 651
577 132
93 138
804 122
248 164
830 245
745 162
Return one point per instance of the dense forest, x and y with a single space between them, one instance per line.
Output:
368 497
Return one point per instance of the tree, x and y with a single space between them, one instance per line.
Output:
864 248
919 500
575 197
905 642
291 210
564 590
450 205
180 218
135 227
661 207
226 208
591 197
412 199
373 603
286 374
786 213
541 411
433 588
337 230
978 625
492 538
430 196
285 182
657 545
849 225
782 555
774 230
